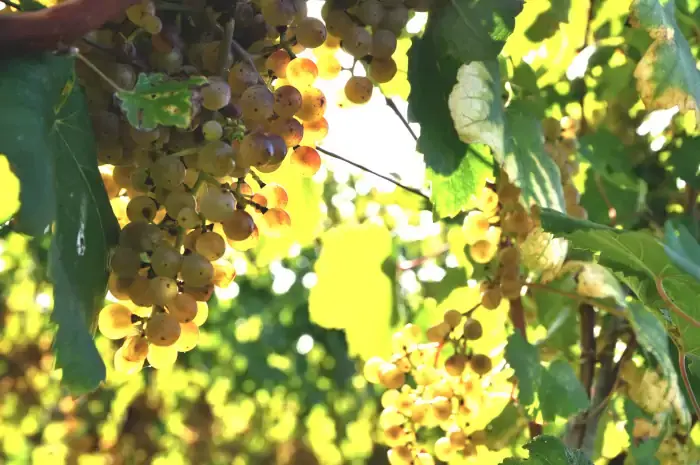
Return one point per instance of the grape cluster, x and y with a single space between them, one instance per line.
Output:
443 394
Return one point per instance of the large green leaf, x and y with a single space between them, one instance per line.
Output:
475 30
643 450
157 99
547 450
557 313
526 162
666 74
561 393
685 161
455 170
525 361
502 431
59 142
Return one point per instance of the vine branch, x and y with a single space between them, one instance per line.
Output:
686 382
390 103
47 29
412 190
244 55
667 300
578 298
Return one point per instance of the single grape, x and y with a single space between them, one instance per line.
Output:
455 364
140 292
307 160
339 23
196 270
442 408
287 101
216 94
278 12
257 103
313 105
483 251
212 130
161 357
491 298
276 195
452 318
302 72
177 200
289 129
135 348
164 289
168 172
277 62
314 132
152 24
162 330
311 32
357 42
114 321
438 333
144 137
224 274
400 455
279 153
166 261
370 12
383 43
277 220
259 199
239 226
183 307
359 89
395 19
382 69
202 313
242 76
255 150
189 336
217 204
125 262
211 246
443 449
473 329
480 364
390 376
216 158
200 293
125 366
371 369
141 208
118 287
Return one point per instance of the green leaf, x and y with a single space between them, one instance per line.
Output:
157 99
561 224
685 249
548 21
666 74
561 393
557 313
609 158
652 337
503 430
526 162
525 361
548 450
60 143
642 450
474 30
356 297
685 161
606 200
455 170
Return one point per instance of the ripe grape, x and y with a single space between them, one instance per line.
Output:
212 130
277 220
289 129
140 292
287 101
114 321
395 19
164 289
161 357
125 262
189 336
162 330
455 364
216 94
188 218
313 105
382 69
480 364
276 195
202 313
278 12
400 455
491 298
135 348
383 43
473 329
359 89
439 332
371 369
141 208
314 131
177 200
257 103
483 251
211 246
166 261
256 149
241 76
277 62
443 449
239 226
390 376
442 408
452 318
339 23
196 270
152 24
216 158
301 72
183 307
118 286
217 204
224 274
311 32
357 42
168 172
122 365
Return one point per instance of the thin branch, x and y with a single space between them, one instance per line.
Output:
667 300
257 179
14 5
65 23
412 190
97 70
416 262
686 382
390 103
587 324
244 55
224 62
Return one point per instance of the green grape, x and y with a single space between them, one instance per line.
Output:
473 329
224 274
370 12
125 262
287 101
313 105
307 160
135 13
166 260
276 63
183 307
278 12
279 153
255 149
289 129
112 154
242 76
383 43
177 200
169 62
339 23
144 137
400 455
359 89
212 130
114 321
140 180
189 336
211 246
311 32
140 292
452 318
390 376
191 238
122 175
141 208
491 298
164 289
152 24
161 358
216 94
216 158
257 103
395 19
200 293
217 204
122 74
371 369
358 42
420 5
188 218
196 270
135 348
239 226
162 330
168 172
382 70
424 458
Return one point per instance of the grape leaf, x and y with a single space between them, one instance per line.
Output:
357 296
686 161
561 393
611 202
85 227
559 223
547 22
643 450
503 430
157 99
455 170
475 105
526 162
666 74
548 450
474 30
525 361
686 248
9 192
609 158
557 313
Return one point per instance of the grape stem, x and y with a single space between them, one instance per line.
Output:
260 182
390 103
244 55
92 66
182 153
577 298
14 5
180 238
224 63
667 300
412 190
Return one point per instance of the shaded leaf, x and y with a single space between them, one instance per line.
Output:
559 223
547 22
561 393
644 449
557 313
686 161
525 361
455 170
548 450
157 99
666 74
503 430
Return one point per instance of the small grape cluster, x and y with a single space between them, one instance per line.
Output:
444 392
